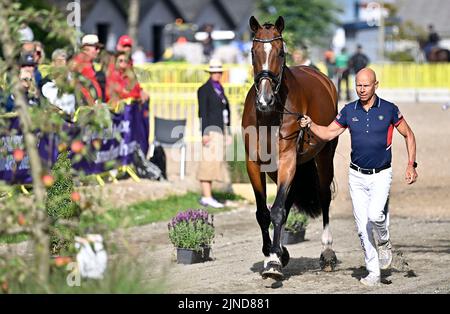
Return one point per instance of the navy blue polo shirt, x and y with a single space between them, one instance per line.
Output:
370 131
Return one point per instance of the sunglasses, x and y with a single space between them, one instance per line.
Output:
26 79
122 61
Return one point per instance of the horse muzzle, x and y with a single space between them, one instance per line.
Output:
265 103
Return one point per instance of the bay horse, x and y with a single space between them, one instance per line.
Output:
277 100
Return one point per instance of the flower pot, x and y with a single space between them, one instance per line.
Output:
290 237
189 256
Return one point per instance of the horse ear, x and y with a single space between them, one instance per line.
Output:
279 24
254 25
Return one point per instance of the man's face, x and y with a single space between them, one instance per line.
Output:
91 51
365 86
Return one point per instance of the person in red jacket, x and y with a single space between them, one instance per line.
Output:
82 64
121 82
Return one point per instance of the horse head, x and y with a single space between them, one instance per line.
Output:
268 58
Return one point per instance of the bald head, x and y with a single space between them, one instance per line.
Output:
366 84
366 74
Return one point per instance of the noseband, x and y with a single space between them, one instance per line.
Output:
275 79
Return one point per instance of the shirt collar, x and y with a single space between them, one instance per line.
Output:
376 103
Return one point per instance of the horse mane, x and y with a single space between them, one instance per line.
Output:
268 25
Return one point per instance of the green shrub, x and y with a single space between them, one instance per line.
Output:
60 206
59 203
296 221
191 229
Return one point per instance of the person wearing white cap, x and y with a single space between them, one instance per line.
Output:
214 113
82 64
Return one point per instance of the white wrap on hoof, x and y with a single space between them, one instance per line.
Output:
327 238
272 258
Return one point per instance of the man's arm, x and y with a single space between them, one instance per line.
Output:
404 129
325 133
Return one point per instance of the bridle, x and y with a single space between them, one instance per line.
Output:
275 79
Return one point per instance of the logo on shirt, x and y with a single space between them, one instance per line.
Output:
338 116
355 119
380 117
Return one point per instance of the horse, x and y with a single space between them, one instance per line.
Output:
303 167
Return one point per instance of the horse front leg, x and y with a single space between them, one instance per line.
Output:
258 181
279 256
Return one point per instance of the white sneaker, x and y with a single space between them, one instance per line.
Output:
370 280
209 201
385 255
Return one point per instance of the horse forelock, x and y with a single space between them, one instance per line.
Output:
268 25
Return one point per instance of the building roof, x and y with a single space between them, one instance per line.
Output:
190 8
239 10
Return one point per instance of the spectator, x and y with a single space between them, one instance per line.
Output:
214 113
25 33
58 79
342 72
125 46
358 61
28 87
139 57
208 45
300 57
121 82
39 57
330 63
82 66
433 36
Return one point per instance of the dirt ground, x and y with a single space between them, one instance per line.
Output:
420 228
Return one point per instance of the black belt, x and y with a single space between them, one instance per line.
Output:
368 171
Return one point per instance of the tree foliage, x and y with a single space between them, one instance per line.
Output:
305 20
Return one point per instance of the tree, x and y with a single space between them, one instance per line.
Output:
133 19
305 20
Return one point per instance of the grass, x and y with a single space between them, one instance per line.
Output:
152 211
141 213
123 277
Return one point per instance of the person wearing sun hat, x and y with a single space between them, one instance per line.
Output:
214 114
82 64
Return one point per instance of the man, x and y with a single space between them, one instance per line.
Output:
214 113
342 72
358 61
82 64
55 85
371 121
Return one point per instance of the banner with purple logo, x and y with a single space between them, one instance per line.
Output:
14 161
109 149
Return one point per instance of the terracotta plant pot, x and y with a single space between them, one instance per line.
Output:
290 237
189 256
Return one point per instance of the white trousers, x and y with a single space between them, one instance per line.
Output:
369 193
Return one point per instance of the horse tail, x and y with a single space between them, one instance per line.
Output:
305 189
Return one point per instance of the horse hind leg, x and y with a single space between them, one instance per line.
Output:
324 161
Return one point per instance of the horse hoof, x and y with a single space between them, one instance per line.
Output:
272 270
328 260
285 257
